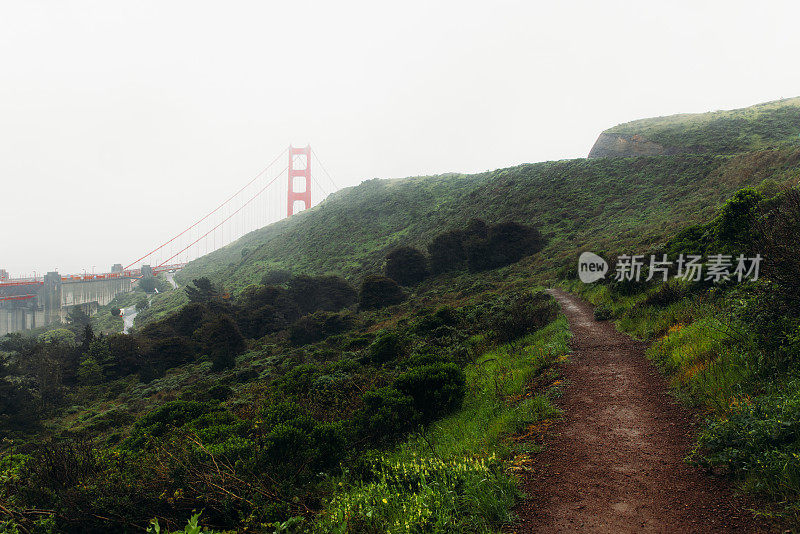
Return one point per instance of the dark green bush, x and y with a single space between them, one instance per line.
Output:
505 243
327 293
437 389
220 392
759 441
603 313
406 266
386 415
446 252
519 314
667 293
298 380
167 417
444 316
386 347
222 340
286 413
380 291
276 277
318 326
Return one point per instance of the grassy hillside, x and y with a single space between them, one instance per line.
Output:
306 407
723 132
602 204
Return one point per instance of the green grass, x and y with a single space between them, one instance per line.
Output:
454 476
611 204
723 132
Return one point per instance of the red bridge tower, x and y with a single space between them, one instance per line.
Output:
299 167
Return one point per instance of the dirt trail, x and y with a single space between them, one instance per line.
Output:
615 463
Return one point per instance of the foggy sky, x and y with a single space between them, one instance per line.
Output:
122 122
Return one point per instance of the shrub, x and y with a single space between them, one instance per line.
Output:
222 341
276 277
386 347
266 309
436 389
420 493
318 326
295 441
603 313
329 443
387 414
298 379
142 303
504 244
327 293
760 442
168 416
285 413
220 392
734 226
406 266
166 353
446 252
778 235
667 293
476 228
519 314
444 316
380 291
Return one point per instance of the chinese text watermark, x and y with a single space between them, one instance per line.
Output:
689 267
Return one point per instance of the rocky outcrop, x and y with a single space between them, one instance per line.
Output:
610 145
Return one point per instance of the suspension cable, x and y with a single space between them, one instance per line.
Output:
227 218
257 176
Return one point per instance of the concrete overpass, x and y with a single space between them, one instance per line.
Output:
30 303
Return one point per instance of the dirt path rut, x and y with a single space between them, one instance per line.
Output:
615 462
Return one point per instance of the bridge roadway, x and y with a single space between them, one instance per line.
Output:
30 303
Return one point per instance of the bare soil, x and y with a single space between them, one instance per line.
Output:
615 463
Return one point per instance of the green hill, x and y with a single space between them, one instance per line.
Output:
601 204
305 404
767 125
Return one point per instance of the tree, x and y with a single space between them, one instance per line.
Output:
505 243
379 291
327 293
778 234
202 291
87 336
77 320
58 336
276 277
446 252
734 227
222 341
406 265
116 312
16 405
142 303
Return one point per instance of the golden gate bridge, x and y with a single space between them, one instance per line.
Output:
279 190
